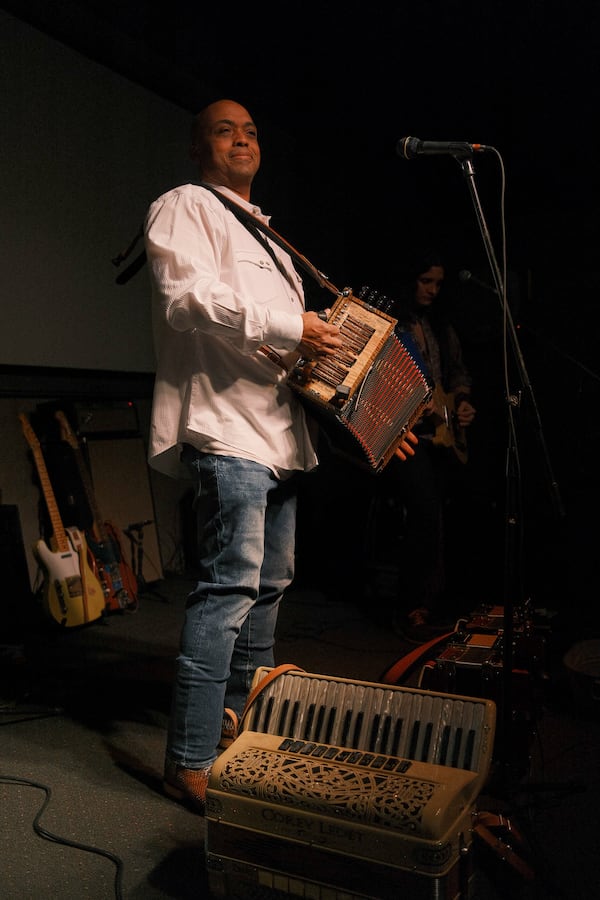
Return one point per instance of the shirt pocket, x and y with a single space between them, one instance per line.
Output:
259 275
255 263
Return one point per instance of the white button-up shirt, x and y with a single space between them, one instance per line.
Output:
217 298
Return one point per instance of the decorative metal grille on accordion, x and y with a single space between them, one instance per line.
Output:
342 790
372 391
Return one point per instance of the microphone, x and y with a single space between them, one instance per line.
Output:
467 277
410 147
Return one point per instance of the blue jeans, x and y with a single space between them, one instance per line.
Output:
246 537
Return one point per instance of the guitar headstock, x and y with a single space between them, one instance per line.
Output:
66 432
30 435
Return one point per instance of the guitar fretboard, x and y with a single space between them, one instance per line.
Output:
60 538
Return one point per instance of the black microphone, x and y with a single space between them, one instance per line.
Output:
468 278
410 147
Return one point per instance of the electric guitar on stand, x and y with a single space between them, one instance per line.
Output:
72 594
116 575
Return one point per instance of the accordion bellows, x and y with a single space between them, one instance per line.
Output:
372 391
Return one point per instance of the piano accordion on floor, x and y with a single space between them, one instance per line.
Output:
343 790
372 391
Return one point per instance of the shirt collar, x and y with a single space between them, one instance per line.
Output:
249 206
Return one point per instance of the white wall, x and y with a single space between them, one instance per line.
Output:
83 153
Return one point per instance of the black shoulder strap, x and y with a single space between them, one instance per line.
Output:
254 225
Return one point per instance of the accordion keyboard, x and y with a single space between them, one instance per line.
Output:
425 726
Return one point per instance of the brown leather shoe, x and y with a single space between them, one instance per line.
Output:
229 729
186 785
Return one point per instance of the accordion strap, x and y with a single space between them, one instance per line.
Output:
403 667
253 225
504 839
269 677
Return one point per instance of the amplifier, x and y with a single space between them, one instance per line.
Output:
118 417
526 621
473 663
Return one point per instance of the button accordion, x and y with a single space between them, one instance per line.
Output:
372 391
343 790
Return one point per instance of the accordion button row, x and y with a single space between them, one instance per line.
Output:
354 757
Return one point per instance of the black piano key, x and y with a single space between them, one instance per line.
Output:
345 737
469 748
330 723
320 724
373 733
426 743
295 711
458 736
398 728
282 717
414 739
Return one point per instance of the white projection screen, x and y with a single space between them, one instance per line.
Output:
83 153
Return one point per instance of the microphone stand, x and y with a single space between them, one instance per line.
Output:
135 533
513 525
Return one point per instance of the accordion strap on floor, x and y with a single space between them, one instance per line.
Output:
269 677
402 667
499 842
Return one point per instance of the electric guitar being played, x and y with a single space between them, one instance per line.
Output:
72 594
448 433
116 575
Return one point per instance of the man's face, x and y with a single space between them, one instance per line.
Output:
226 148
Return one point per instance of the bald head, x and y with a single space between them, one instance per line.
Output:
225 146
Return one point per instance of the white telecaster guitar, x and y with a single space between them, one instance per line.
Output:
72 594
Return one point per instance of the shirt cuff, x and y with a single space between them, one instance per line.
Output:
284 330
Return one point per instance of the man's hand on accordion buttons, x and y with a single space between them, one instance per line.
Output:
405 447
319 338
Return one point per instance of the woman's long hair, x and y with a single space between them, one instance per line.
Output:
406 309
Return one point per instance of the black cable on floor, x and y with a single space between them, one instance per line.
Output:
49 836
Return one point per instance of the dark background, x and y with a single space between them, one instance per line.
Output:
344 82
333 87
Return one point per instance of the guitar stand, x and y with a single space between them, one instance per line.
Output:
135 533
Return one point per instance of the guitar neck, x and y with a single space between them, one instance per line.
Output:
60 535
71 439
98 521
